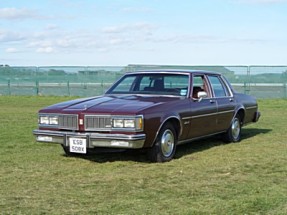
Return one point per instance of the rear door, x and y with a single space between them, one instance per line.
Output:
225 102
203 114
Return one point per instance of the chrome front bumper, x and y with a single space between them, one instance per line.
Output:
134 141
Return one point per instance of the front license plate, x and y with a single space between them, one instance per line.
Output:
78 145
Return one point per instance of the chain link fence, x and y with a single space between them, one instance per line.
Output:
259 81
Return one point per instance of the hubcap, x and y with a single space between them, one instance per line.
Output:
235 128
167 143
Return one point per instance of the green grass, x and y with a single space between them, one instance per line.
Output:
206 177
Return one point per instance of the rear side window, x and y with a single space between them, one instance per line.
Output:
219 88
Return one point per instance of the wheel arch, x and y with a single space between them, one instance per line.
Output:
173 120
241 112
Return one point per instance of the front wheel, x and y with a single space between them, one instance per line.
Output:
164 148
67 150
233 134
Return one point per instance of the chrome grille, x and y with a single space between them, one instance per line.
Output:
68 121
98 123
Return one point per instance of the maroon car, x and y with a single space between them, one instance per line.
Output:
155 110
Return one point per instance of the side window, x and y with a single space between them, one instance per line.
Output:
219 88
176 81
145 83
199 85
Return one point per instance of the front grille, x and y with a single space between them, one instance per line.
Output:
102 123
68 121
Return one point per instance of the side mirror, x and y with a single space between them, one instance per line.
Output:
201 95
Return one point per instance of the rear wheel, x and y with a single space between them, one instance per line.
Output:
233 134
165 146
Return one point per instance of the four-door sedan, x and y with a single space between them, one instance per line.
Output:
155 110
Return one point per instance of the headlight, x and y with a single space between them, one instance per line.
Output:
44 120
53 120
128 123
48 120
118 123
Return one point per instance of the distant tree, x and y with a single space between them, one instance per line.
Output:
56 72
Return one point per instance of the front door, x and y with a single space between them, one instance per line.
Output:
203 112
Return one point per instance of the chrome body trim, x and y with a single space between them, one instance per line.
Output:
134 141
210 114
99 122
251 107
161 125
68 121
65 121
105 122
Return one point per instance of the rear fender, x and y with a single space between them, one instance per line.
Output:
241 111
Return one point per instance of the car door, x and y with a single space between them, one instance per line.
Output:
203 111
225 102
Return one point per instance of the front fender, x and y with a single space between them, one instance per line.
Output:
154 125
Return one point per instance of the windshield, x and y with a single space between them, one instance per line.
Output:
160 84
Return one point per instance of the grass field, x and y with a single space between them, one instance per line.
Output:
206 177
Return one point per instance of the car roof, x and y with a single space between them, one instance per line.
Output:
174 71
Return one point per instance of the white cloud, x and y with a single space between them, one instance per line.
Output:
51 27
128 35
84 42
137 37
11 50
45 50
262 1
137 10
20 14
10 36
16 13
136 27
40 44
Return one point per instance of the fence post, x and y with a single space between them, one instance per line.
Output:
249 80
284 78
9 87
68 86
37 88
285 90
246 88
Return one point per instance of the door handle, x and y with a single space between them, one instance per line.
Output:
231 100
211 101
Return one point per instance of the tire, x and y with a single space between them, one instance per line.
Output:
67 150
164 148
233 134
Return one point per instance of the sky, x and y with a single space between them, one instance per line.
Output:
161 32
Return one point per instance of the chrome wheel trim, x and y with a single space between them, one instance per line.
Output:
235 128
167 143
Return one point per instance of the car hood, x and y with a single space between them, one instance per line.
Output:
110 104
